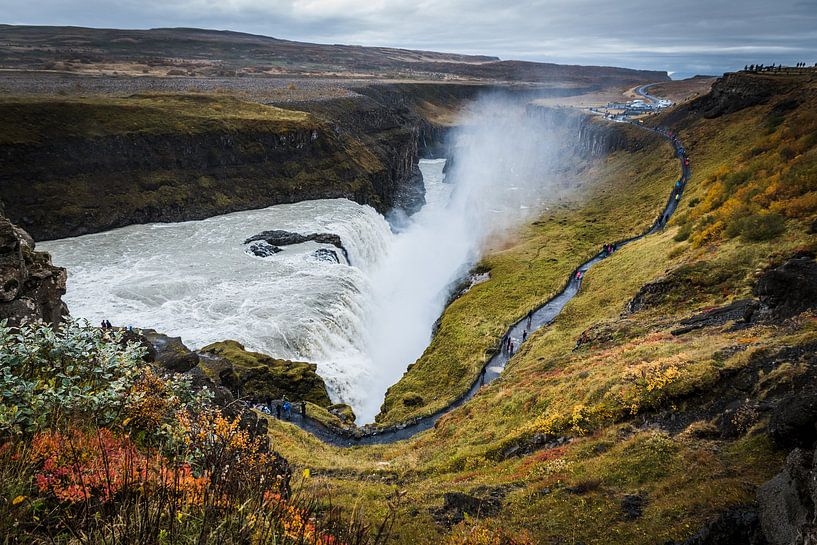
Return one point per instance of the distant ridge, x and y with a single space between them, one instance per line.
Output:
201 52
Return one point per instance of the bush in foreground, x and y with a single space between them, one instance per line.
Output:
98 448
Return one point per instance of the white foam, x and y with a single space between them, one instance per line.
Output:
194 279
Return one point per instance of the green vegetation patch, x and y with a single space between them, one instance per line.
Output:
32 120
258 376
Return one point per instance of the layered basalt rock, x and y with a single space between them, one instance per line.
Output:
58 181
275 238
31 288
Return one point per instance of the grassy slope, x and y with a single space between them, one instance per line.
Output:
602 395
530 271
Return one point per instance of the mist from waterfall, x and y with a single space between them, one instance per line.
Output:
502 176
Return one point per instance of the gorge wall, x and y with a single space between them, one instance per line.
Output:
75 166
72 166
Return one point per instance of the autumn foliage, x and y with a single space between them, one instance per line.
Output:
144 459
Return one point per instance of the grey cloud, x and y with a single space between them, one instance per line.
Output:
681 36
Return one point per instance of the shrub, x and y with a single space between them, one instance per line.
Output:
683 233
735 179
787 153
756 228
73 372
223 487
484 532
97 466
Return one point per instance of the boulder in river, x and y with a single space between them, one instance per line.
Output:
286 238
262 248
327 255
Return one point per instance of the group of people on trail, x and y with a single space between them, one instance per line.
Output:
283 409
106 325
609 249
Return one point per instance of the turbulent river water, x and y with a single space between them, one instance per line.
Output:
362 324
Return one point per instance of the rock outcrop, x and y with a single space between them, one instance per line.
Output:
786 502
732 93
457 505
789 289
257 377
276 238
31 288
737 91
170 353
737 526
794 420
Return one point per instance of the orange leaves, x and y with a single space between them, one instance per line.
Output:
798 207
149 401
222 443
485 533
82 466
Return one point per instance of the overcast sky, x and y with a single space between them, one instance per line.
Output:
686 37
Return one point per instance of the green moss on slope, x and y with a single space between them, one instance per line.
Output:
258 376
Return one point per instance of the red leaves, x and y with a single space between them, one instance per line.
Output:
81 466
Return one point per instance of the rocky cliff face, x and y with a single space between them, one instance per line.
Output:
30 286
390 135
732 93
593 136
68 182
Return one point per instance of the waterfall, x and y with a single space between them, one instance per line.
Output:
363 323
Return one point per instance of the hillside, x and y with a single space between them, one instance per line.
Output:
662 403
197 52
